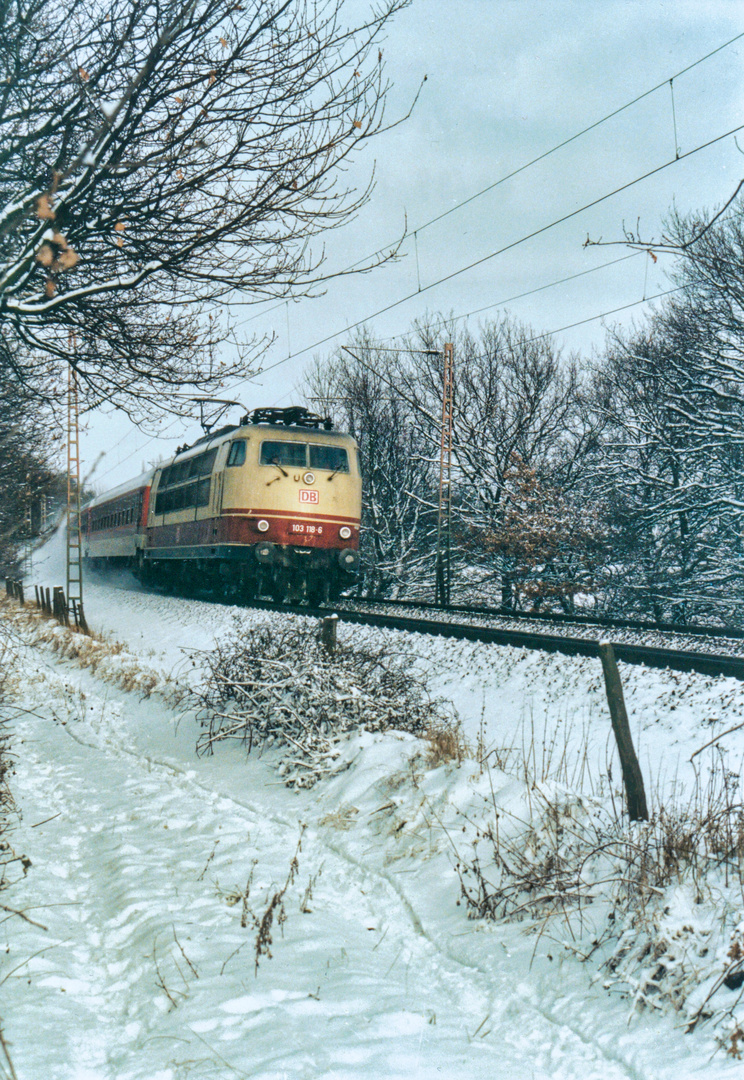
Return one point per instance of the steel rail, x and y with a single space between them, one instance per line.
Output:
629 653
692 630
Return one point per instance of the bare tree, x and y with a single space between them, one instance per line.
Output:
672 459
670 468
28 473
398 513
521 432
519 426
159 160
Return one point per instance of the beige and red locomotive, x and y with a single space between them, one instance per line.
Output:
269 507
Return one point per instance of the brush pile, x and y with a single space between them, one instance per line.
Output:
283 688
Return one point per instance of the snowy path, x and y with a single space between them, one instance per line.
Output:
354 987
370 983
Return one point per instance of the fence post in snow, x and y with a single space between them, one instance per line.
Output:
328 628
60 606
635 791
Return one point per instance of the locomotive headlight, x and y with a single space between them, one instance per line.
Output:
262 525
344 532
308 478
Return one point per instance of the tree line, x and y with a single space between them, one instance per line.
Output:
614 482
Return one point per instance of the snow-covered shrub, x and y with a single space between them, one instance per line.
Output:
268 687
658 906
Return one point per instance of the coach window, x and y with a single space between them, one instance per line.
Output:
237 453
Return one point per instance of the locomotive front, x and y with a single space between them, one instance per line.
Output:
278 514
294 496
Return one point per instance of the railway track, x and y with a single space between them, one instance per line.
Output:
710 652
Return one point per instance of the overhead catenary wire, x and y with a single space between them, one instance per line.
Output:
668 81
486 258
410 401
506 247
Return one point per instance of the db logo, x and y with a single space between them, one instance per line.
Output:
308 496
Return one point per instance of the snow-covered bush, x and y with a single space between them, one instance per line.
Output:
658 906
270 687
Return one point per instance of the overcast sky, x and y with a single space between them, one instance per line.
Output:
508 80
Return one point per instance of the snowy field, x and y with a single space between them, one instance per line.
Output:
152 870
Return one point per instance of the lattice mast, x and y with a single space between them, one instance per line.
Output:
444 516
74 529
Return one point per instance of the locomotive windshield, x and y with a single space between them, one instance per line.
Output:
237 453
315 455
329 457
284 453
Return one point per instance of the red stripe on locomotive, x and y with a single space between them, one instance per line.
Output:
317 532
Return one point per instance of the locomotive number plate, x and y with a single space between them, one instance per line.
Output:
309 530
308 496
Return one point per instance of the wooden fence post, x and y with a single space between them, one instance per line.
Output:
60 606
328 633
635 791
78 616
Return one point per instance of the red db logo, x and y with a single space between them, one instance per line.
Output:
308 496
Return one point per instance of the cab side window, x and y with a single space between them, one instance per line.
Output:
237 453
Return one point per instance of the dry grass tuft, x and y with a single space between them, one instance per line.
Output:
658 905
107 659
11 863
445 744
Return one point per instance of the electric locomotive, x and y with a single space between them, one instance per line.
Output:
270 506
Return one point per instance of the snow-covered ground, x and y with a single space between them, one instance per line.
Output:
152 870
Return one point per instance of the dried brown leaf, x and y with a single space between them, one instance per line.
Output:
45 255
44 208
68 258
